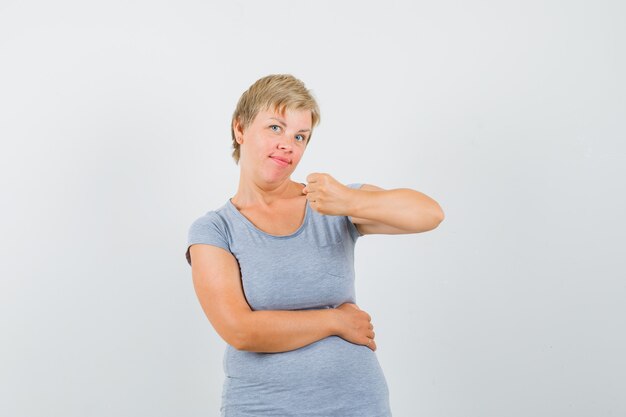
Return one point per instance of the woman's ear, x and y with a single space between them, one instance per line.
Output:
238 131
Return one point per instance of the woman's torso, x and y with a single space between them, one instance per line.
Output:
311 268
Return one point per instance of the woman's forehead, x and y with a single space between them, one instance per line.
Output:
287 117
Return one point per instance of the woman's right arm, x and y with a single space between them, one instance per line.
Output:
217 282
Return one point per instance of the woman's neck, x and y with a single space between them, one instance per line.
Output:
251 193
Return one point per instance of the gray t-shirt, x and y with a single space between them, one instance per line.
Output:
312 268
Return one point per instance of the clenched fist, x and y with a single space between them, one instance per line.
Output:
326 195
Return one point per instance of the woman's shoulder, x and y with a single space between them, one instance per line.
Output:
210 228
215 218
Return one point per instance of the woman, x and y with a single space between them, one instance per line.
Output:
273 268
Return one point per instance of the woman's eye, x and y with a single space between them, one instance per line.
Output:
300 138
275 128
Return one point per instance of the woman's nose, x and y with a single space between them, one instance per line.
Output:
283 143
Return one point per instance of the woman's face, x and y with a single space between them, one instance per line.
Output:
272 146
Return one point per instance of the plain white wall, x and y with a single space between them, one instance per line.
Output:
114 121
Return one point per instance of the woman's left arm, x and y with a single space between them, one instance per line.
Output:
374 209
402 210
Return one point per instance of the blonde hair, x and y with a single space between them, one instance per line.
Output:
276 92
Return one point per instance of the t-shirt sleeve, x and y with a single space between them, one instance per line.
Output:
209 230
354 232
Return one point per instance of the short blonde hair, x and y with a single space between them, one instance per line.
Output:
276 92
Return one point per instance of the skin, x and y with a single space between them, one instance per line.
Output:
274 203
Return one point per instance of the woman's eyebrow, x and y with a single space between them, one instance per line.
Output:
282 122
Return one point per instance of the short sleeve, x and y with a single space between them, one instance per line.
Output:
354 232
208 229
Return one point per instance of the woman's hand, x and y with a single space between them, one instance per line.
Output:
326 195
354 325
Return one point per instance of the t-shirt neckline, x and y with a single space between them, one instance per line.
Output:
251 225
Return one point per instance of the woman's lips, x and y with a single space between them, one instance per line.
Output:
279 161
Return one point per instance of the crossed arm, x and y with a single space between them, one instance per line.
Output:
217 282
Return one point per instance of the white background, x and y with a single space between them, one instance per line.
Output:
114 122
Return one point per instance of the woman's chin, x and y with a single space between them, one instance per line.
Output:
276 177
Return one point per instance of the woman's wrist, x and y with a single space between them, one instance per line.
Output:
351 201
334 322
